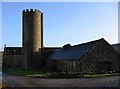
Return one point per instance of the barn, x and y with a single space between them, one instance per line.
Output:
96 56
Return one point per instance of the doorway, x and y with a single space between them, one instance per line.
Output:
103 67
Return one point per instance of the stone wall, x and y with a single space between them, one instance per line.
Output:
102 52
13 61
65 66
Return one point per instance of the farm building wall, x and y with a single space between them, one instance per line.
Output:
65 65
102 52
13 61
12 57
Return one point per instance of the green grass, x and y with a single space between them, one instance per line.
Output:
100 75
27 72
19 71
45 73
38 75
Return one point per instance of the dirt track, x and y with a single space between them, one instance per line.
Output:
17 81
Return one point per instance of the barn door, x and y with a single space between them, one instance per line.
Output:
103 67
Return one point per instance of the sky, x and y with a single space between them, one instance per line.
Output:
64 22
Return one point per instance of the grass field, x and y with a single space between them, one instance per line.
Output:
41 73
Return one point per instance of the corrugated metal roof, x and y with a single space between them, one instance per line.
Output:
73 52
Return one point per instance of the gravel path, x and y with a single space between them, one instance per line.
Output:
17 81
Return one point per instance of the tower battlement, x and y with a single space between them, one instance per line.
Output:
31 10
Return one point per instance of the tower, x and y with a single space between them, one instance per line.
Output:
32 36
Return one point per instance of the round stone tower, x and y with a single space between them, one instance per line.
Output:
32 36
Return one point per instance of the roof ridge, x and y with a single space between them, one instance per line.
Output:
88 42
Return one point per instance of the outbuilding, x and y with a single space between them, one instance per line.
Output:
96 56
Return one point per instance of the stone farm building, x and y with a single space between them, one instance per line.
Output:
94 56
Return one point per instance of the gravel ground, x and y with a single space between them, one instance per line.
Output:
18 81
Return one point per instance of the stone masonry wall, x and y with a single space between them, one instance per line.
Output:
13 61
